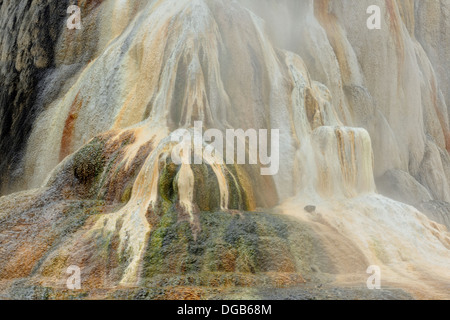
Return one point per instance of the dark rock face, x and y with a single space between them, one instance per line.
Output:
310 209
25 57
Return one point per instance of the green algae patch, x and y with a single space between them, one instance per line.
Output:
167 188
232 249
89 162
207 191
